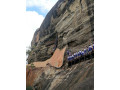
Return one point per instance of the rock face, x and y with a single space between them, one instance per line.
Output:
77 77
56 60
69 22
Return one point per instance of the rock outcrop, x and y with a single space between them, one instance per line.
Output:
56 60
69 22
77 77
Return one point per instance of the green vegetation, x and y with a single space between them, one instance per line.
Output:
32 65
33 47
29 50
29 88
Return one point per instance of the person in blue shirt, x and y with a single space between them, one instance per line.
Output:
93 50
85 53
74 56
90 50
68 58
67 52
82 55
93 47
69 61
79 55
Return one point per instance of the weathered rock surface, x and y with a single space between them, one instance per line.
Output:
69 22
56 60
77 77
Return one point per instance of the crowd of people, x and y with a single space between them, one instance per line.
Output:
82 54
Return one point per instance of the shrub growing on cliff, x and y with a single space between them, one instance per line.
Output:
30 49
28 52
29 88
32 65
33 47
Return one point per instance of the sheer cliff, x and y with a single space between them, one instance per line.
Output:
69 22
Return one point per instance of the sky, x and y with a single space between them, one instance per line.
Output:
36 11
